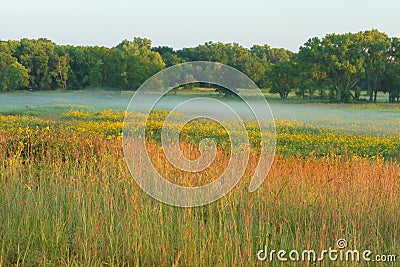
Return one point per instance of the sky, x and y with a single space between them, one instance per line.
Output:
180 23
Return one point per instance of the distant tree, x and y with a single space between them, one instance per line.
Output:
338 59
130 63
62 67
82 60
41 61
115 69
265 57
9 47
284 78
277 55
261 58
12 74
306 87
310 78
189 54
342 64
98 74
262 52
169 56
375 47
391 82
139 69
225 92
251 62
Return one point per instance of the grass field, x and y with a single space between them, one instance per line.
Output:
68 199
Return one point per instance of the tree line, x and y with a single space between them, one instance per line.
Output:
337 67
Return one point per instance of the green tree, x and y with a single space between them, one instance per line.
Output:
97 75
338 59
375 50
277 55
391 82
9 47
41 61
12 74
115 68
169 56
82 59
63 67
130 63
283 78
252 62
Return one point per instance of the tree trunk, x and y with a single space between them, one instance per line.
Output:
338 95
370 91
283 94
356 96
63 83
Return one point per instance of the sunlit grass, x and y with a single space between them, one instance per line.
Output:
67 198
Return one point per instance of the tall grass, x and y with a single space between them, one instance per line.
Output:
67 199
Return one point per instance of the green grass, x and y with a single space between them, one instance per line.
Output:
68 199
82 208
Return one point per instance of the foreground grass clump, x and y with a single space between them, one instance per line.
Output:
67 198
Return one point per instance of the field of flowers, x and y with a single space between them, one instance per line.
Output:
68 199
293 137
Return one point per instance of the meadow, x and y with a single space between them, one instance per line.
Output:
68 199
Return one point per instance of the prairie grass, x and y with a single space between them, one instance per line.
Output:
67 199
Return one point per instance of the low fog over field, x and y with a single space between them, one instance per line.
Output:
368 118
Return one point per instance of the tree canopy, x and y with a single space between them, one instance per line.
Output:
337 67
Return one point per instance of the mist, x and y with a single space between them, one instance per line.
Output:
346 116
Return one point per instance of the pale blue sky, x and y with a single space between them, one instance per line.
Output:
179 23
